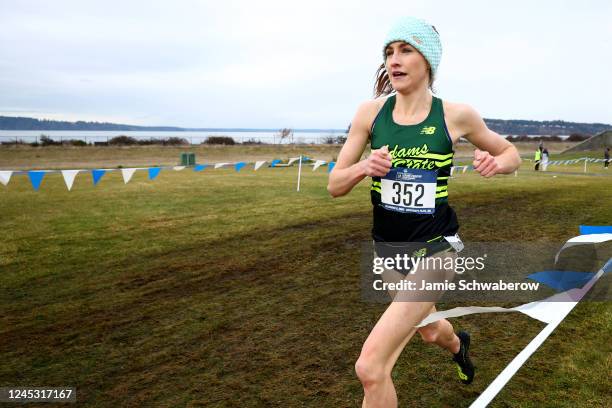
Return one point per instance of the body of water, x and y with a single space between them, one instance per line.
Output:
192 137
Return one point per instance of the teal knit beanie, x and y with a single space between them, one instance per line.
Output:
421 35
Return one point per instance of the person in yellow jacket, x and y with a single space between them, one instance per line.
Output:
538 158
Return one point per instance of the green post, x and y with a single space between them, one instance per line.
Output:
187 159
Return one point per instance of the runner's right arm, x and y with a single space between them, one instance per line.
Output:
348 170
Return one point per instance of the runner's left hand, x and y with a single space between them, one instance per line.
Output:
485 164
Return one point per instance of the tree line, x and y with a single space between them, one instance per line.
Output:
505 127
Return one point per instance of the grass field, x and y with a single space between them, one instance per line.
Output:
223 289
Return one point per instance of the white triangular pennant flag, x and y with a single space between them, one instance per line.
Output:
258 164
5 176
178 168
464 169
69 176
127 174
318 164
292 160
219 165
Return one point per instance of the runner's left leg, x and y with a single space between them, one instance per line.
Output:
440 333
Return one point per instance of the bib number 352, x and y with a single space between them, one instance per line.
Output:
403 194
409 190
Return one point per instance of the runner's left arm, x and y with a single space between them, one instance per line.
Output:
494 154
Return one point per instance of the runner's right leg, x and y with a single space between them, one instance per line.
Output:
382 348
390 335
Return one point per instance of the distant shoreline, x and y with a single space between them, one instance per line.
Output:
82 137
501 126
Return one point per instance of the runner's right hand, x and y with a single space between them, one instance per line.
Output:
378 163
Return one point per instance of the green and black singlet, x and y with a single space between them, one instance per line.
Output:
428 148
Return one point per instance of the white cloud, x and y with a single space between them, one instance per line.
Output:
299 64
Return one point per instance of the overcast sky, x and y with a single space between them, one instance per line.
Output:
300 64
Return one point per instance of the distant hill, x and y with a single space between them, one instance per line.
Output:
505 127
20 123
597 142
547 127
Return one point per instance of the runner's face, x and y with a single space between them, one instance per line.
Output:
406 66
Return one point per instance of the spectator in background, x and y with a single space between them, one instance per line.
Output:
544 158
538 158
606 157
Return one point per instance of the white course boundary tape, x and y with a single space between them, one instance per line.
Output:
551 310
560 310
502 379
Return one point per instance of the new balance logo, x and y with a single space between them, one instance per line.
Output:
428 130
420 253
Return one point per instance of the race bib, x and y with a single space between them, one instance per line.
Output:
409 190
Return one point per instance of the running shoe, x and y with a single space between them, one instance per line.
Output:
465 368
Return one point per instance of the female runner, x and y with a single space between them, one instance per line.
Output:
412 134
